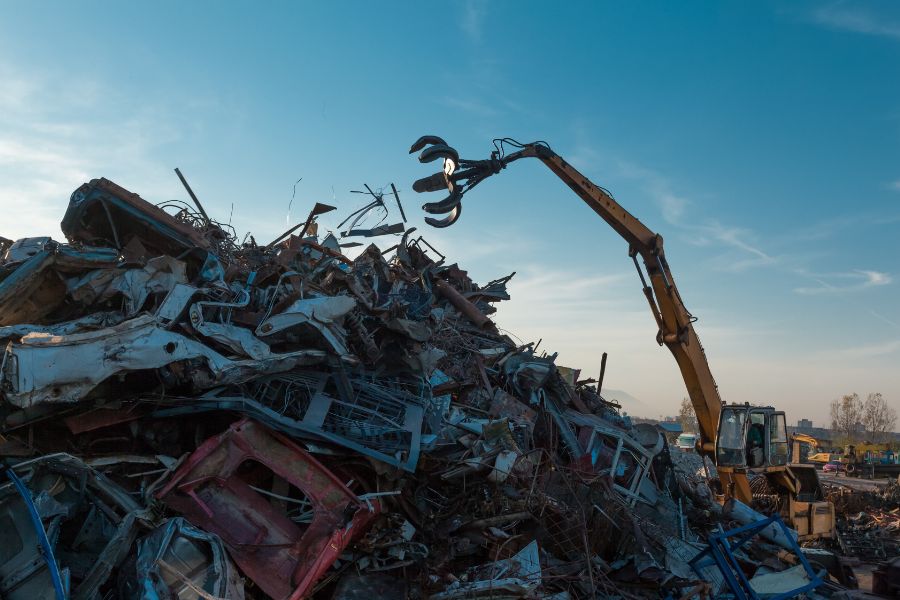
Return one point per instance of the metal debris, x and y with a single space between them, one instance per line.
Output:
191 416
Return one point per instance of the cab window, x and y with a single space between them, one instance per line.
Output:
730 441
756 440
778 444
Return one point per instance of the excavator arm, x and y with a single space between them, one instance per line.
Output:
675 323
805 439
676 330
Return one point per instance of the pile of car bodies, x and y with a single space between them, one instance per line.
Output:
187 416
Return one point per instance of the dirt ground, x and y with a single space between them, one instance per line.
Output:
855 483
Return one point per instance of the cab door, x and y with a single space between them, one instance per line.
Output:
776 439
757 437
731 439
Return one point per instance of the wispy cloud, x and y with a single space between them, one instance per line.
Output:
744 252
738 238
671 204
60 130
894 185
857 19
826 228
742 248
839 283
871 350
472 18
884 319
876 278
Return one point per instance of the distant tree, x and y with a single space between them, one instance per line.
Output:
877 417
846 416
687 416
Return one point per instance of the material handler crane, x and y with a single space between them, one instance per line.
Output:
798 440
739 438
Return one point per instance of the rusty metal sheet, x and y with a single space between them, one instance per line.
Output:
215 489
101 211
34 288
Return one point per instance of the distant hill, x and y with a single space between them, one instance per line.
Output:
629 403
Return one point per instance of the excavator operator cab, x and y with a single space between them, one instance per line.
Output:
753 437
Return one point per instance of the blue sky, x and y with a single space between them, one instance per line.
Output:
762 140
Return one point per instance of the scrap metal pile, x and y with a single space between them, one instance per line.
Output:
868 521
187 416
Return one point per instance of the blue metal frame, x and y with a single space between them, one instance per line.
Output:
46 547
719 553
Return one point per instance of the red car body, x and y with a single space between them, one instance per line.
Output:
283 557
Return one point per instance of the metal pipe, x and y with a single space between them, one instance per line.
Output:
192 195
397 198
602 373
463 305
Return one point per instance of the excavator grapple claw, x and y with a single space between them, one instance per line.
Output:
433 148
459 175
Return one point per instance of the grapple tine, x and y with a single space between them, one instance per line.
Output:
425 140
445 205
439 151
432 183
448 221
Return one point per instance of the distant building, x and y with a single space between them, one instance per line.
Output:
804 424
